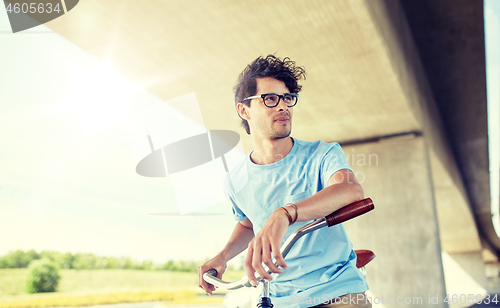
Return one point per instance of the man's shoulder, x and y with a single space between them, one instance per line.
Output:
317 147
237 174
238 167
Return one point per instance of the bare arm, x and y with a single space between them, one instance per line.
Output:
241 236
343 189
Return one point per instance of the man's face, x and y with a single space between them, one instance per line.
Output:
275 122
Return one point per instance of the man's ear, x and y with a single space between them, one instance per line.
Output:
243 111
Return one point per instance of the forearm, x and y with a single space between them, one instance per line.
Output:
327 201
238 241
241 236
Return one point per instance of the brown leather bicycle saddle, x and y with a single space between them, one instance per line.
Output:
364 256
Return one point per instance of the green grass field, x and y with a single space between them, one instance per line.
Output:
91 287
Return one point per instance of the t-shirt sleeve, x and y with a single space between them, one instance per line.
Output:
228 192
333 161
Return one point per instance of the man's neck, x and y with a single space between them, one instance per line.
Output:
268 151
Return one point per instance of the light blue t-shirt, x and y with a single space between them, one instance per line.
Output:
322 264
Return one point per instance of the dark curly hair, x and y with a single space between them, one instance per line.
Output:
270 66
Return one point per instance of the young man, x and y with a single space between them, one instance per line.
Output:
287 183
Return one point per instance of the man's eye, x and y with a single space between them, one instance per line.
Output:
271 98
288 98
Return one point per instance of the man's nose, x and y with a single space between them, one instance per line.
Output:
282 106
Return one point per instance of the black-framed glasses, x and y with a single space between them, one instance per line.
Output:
272 99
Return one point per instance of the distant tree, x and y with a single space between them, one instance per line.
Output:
42 276
183 266
67 259
3 263
21 259
112 263
85 261
55 257
169 266
126 263
30 256
18 259
146 265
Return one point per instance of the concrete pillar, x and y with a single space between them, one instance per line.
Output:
403 229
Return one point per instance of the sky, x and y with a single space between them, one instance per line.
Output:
492 44
67 173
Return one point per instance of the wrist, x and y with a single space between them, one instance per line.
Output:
292 209
223 256
284 214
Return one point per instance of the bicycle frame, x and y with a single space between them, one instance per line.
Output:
346 213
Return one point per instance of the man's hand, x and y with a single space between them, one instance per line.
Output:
218 263
266 243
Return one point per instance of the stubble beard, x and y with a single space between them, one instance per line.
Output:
274 134
283 133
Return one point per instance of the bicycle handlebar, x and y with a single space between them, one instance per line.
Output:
350 211
341 215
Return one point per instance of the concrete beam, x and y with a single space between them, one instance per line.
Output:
451 195
449 36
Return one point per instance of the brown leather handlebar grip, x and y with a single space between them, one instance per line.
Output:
350 211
